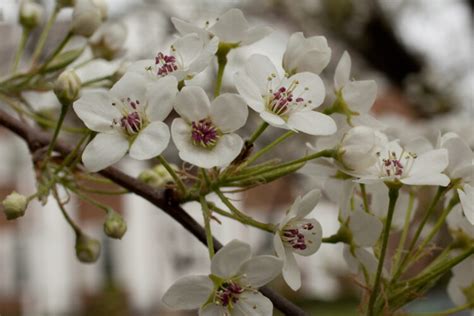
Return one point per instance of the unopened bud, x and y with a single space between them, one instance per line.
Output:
31 14
87 249
107 42
157 177
357 148
67 87
102 6
14 205
86 18
115 226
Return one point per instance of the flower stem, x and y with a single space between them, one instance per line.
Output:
44 35
62 115
173 174
270 146
21 49
74 226
257 133
364 198
221 62
207 226
56 51
393 195
406 228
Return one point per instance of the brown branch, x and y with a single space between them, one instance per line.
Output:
37 139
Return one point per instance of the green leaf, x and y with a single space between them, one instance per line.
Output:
63 59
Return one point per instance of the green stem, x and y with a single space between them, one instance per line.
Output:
441 191
95 80
267 148
393 195
406 228
62 115
21 49
207 226
364 197
257 133
173 174
74 226
222 62
90 200
44 35
56 51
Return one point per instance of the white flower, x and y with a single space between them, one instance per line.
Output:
461 164
231 288
187 56
297 234
128 118
204 133
231 28
310 54
365 228
362 261
355 97
466 196
461 286
396 164
458 226
284 102
108 41
358 148
86 18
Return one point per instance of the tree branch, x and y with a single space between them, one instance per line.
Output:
163 199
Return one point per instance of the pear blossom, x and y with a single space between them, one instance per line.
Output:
204 133
108 41
284 102
230 28
86 18
466 196
461 164
31 14
461 286
231 288
187 56
310 54
397 165
355 98
298 234
128 118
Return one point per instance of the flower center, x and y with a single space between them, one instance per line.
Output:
283 101
228 293
393 166
293 236
204 133
132 120
165 64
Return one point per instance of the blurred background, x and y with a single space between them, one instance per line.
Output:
419 52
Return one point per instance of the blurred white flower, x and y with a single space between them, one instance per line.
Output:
128 118
284 102
298 234
230 28
204 133
86 18
310 54
108 41
458 226
397 165
188 56
466 196
362 262
365 228
31 14
461 165
231 288
461 286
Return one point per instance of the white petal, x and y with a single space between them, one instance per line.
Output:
308 203
141 66
184 27
95 109
312 123
253 304
160 95
278 245
231 26
365 228
188 292
306 54
104 150
427 179
309 86
192 103
229 112
151 141
259 68
273 119
313 237
204 59
260 270
467 201
256 33
249 91
360 95
188 48
132 85
212 310
343 71
431 162
291 273
460 155
227 261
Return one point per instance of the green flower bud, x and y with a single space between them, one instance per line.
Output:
86 18
31 14
67 87
87 249
157 177
115 226
14 205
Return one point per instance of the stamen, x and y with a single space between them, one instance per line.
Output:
166 64
204 133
